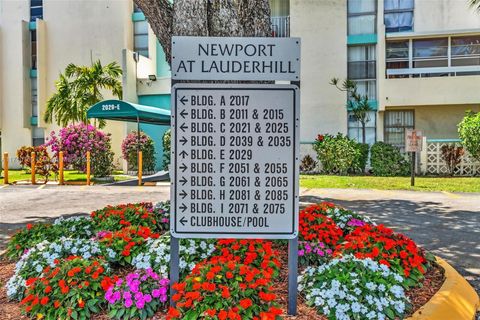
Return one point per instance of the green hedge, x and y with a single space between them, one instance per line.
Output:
386 160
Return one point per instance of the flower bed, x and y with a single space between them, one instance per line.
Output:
114 264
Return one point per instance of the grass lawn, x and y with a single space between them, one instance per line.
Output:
456 184
69 175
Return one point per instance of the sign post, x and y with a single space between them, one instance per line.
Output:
413 144
235 147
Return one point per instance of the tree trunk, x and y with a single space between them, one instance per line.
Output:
364 138
220 18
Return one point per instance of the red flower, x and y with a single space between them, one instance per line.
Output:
48 289
29 226
245 303
44 301
56 304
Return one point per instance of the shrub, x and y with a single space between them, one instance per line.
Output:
394 250
308 164
24 156
386 160
167 137
44 165
361 159
75 140
138 296
130 151
469 132
157 256
351 288
337 154
230 285
162 215
452 155
28 237
69 290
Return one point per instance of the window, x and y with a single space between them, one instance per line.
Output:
38 136
34 97
465 51
395 123
362 16
33 45
428 53
398 15
355 130
361 62
141 37
36 9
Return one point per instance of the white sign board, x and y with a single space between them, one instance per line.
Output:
235 161
221 58
413 140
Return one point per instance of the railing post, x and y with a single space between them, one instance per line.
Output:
140 167
60 168
5 168
88 168
32 164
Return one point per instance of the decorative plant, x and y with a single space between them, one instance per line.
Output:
308 164
352 288
130 147
138 296
235 284
337 154
469 132
75 140
166 148
452 155
127 243
157 256
394 250
69 290
44 165
360 162
386 160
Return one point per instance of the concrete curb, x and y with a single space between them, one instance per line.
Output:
456 299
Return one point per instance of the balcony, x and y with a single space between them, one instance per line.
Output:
280 27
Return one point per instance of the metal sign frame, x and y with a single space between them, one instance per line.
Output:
294 189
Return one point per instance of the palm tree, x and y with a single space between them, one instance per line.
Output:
80 88
358 104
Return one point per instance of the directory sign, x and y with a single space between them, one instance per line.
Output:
235 161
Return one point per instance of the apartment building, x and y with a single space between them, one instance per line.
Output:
418 61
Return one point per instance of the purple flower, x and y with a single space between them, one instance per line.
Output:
128 303
140 304
301 252
147 298
355 223
156 293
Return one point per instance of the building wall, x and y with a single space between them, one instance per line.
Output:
444 15
322 25
14 75
70 32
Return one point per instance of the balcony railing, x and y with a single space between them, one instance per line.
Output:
433 72
280 26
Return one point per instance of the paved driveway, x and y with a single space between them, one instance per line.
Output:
445 223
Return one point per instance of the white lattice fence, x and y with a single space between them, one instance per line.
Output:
436 165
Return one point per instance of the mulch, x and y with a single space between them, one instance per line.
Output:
434 278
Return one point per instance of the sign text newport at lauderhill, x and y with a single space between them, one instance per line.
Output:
215 58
